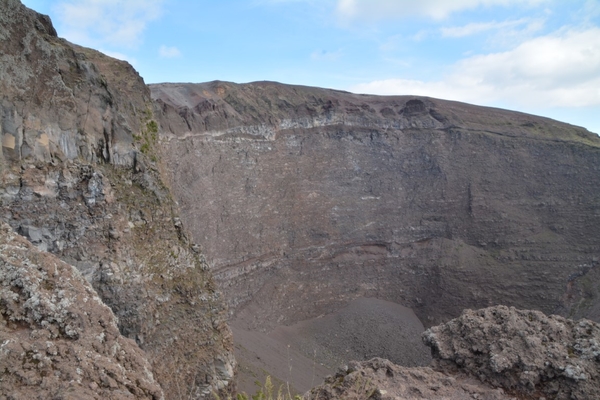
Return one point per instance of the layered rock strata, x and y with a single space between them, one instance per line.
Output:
60 101
80 178
306 198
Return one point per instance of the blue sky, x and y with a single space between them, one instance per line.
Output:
535 56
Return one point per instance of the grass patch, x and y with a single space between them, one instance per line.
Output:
265 391
147 139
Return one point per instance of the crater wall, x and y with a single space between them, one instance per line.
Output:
304 199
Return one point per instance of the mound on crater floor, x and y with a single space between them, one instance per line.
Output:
304 353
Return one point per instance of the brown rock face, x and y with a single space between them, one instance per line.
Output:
492 353
79 177
306 198
57 338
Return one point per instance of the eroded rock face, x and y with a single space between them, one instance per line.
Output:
57 338
493 353
79 177
522 351
304 199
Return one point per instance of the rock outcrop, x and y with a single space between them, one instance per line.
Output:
523 351
80 178
492 353
57 338
121 230
380 379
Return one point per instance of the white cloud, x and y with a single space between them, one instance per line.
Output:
558 70
436 9
478 27
119 23
169 52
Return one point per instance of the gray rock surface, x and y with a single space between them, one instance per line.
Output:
59 101
57 338
523 351
492 353
380 379
120 229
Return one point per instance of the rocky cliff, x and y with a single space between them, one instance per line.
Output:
61 101
492 353
80 179
523 351
305 198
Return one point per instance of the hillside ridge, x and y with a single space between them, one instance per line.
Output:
283 106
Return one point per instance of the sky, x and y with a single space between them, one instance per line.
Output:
536 56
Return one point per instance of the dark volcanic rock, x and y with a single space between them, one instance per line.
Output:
306 198
57 338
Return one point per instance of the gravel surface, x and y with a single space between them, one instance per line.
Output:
314 348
